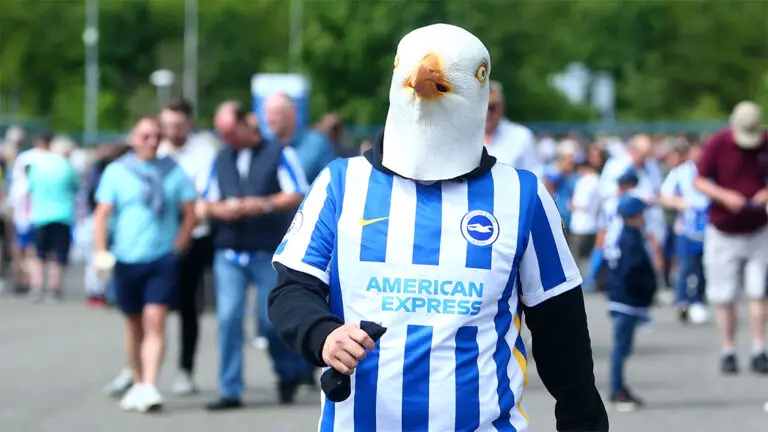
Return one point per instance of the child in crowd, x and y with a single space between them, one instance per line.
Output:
631 288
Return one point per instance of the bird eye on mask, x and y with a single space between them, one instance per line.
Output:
482 73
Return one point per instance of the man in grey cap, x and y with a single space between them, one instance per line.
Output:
733 172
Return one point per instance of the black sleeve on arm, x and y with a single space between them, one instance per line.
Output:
563 354
299 311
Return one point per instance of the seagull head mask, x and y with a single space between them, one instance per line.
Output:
438 102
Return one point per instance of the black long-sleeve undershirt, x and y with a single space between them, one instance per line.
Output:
298 308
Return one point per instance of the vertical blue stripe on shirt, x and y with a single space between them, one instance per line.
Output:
375 217
429 223
338 179
286 165
329 416
415 409
550 267
366 377
210 182
467 380
480 197
503 319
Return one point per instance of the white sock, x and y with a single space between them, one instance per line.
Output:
728 352
757 350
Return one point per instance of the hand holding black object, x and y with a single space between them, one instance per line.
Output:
337 386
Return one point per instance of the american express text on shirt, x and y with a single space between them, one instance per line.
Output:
432 296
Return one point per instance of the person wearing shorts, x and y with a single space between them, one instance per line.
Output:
732 171
53 186
139 284
25 237
152 202
20 201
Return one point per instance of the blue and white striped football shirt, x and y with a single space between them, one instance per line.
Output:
679 182
445 268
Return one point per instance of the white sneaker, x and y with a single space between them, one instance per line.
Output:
132 398
120 385
698 313
183 385
149 399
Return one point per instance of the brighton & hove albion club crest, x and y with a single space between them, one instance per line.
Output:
298 219
480 228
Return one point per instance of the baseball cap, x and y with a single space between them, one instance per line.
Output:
630 206
747 124
628 178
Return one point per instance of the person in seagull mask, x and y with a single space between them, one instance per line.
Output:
428 237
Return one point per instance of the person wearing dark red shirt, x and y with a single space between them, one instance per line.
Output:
733 172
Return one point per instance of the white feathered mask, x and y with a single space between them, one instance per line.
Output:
438 102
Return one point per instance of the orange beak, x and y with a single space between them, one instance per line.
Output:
428 80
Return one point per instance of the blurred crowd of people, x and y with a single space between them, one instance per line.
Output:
152 214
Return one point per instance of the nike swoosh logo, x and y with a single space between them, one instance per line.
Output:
364 222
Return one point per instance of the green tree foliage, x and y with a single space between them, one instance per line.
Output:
672 59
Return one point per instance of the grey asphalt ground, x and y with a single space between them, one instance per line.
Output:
55 359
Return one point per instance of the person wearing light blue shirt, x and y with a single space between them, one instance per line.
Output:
153 204
53 186
140 236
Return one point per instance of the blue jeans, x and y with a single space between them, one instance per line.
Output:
232 282
624 326
690 275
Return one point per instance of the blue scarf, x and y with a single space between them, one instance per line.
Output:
152 194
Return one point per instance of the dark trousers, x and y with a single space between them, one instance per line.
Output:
624 326
191 271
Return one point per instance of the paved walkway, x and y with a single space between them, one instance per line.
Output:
54 360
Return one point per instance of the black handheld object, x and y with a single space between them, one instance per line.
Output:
337 386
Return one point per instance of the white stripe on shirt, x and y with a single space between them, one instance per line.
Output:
289 173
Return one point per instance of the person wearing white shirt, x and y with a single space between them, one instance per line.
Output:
195 154
510 143
649 174
678 193
585 208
